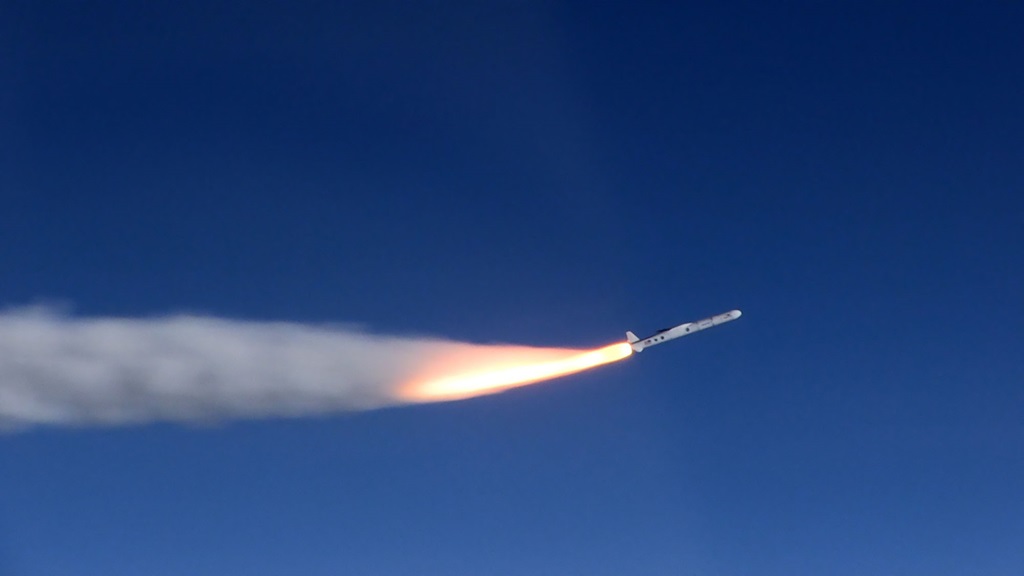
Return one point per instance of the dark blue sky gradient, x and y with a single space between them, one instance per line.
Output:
847 173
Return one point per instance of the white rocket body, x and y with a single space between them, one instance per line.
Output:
679 331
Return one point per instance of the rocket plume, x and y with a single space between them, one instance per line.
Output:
486 372
56 369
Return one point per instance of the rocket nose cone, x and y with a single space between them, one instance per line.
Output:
736 313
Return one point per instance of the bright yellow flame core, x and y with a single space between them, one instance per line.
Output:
464 378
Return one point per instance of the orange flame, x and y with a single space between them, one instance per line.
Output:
467 375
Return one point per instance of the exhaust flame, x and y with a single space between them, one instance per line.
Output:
463 377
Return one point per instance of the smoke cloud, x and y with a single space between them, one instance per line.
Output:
58 369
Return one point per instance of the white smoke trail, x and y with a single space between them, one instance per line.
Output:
56 369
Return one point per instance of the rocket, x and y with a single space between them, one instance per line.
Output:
667 334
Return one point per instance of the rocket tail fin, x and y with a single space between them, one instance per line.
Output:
634 342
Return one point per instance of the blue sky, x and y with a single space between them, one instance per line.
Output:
848 174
